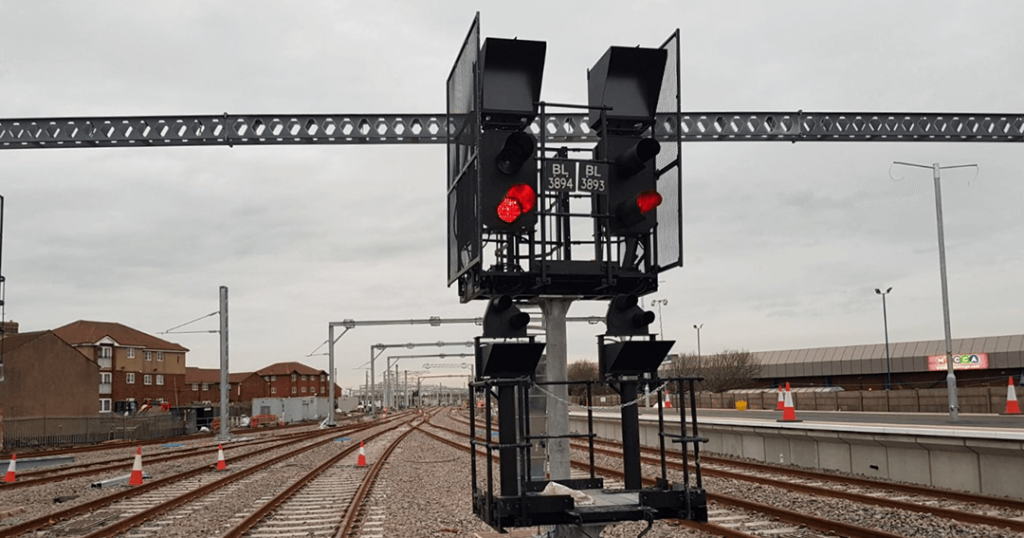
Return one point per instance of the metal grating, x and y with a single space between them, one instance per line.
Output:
271 129
464 241
669 233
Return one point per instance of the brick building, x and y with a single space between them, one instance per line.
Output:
135 367
294 379
203 385
281 380
44 376
249 385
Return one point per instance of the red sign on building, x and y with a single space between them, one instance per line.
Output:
961 361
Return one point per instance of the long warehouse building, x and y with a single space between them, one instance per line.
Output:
913 365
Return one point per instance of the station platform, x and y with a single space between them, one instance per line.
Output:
978 453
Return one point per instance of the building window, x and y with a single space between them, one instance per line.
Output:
147 379
322 389
105 378
131 353
313 390
323 378
294 376
149 355
293 390
273 378
303 390
303 378
106 352
206 386
195 387
273 390
159 379
104 405
129 378
160 356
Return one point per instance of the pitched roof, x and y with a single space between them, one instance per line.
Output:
201 375
12 342
15 340
89 332
286 368
212 375
239 376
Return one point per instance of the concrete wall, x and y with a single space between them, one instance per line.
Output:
958 460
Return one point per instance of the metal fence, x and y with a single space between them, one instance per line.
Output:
64 431
972 400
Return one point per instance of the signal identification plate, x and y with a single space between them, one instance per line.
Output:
593 177
559 175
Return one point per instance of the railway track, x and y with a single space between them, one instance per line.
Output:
313 504
733 516
188 491
130 444
963 507
119 464
956 506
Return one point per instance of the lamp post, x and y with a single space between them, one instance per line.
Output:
885 322
954 400
698 327
659 303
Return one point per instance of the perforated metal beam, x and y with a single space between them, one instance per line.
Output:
266 129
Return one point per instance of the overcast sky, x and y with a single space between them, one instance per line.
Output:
784 243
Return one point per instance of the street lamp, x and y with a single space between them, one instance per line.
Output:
698 327
659 303
954 400
885 322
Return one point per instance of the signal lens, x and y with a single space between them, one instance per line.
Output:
509 210
648 201
520 199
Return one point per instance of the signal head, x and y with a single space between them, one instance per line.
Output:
625 318
519 146
503 320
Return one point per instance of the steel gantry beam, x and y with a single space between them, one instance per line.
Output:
273 129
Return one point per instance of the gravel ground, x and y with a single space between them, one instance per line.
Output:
424 491
38 501
451 480
898 522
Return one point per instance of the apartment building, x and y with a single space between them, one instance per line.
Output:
134 367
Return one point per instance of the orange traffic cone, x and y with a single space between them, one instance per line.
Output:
788 412
1012 407
221 464
9 477
668 401
782 400
136 478
361 462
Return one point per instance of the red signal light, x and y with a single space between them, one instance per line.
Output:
648 201
520 199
